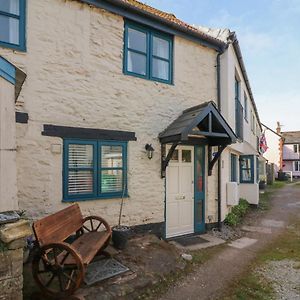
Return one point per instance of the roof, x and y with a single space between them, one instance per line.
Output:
203 121
291 137
168 19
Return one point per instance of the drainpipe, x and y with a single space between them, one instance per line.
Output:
220 159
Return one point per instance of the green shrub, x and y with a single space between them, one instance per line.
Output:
231 219
237 213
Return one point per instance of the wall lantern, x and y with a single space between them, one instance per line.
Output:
149 150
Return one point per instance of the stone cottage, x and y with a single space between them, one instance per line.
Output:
124 100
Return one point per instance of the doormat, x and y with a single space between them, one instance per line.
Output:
190 240
103 269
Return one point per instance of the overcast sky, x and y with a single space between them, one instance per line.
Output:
269 36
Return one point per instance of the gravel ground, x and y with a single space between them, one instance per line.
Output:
227 233
285 278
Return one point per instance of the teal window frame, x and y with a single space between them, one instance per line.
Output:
233 170
246 107
257 169
150 33
97 170
21 46
251 180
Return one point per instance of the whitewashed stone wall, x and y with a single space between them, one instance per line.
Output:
74 78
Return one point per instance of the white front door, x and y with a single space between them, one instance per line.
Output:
180 192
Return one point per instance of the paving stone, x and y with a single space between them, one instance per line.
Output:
242 243
272 223
257 229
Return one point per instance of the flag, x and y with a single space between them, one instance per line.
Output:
263 147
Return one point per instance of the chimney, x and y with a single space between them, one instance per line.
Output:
278 129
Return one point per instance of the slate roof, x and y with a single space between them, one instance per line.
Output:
190 118
168 16
168 19
291 137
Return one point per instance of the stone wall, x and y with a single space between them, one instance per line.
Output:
12 242
11 274
74 73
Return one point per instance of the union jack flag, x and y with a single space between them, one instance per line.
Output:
263 147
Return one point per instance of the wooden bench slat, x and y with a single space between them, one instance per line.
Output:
59 226
88 245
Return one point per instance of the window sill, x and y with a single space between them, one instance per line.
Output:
95 199
14 47
169 82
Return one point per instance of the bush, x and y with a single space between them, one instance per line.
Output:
237 213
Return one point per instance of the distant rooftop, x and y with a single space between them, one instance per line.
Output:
291 137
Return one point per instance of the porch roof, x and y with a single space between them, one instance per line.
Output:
199 124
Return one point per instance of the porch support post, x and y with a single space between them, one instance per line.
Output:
211 162
165 161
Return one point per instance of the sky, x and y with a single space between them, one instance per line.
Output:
269 35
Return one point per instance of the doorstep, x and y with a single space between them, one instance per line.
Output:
210 241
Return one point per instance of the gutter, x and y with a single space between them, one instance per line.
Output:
238 53
219 160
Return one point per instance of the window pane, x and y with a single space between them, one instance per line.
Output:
160 48
111 181
137 40
136 63
295 148
80 182
186 156
246 175
160 69
111 157
9 30
175 156
10 6
80 156
246 163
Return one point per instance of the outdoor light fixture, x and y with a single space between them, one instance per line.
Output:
149 150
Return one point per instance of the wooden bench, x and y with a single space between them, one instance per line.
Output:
67 243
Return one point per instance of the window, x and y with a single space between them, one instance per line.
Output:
148 53
296 148
233 162
94 169
246 107
238 110
257 169
247 169
297 166
12 24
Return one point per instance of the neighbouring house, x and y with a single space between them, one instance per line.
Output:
273 152
240 162
124 100
291 152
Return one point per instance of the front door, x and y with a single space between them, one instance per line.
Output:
180 192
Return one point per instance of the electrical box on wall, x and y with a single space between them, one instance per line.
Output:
232 197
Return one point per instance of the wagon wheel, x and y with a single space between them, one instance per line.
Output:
58 269
94 223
